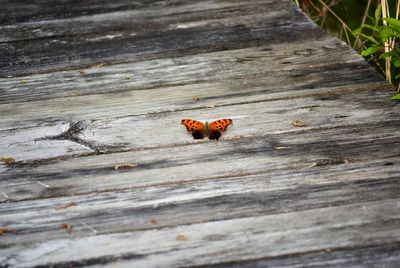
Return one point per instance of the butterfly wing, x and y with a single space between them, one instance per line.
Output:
217 127
196 128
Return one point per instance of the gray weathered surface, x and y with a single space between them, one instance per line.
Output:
86 86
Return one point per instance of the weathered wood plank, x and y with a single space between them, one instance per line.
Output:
174 164
77 51
208 200
383 255
222 83
283 68
255 119
149 18
165 129
37 10
25 143
266 194
222 241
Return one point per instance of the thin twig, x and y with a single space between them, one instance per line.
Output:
386 14
362 22
397 17
314 6
347 36
394 42
341 32
373 58
324 11
336 16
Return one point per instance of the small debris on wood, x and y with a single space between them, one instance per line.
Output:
130 77
280 147
210 106
5 195
7 230
23 81
67 227
303 52
71 204
43 184
196 98
125 165
333 161
298 123
89 227
97 65
81 72
153 221
7 160
181 238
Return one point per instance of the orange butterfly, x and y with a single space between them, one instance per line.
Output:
200 130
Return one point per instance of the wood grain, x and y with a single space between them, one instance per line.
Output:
267 193
43 55
269 235
87 86
177 164
218 79
43 142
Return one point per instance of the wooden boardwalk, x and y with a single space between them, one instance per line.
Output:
89 85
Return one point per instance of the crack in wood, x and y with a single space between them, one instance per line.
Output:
73 134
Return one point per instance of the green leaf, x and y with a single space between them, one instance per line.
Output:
373 21
385 33
370 38
397 76
370 50
386 55
395 32
357 31
396 62
396 97
393 23
378 14
374 28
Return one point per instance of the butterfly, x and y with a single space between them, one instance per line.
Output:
200 130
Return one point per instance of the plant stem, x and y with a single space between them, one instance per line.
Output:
362 22
336 16
385 14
